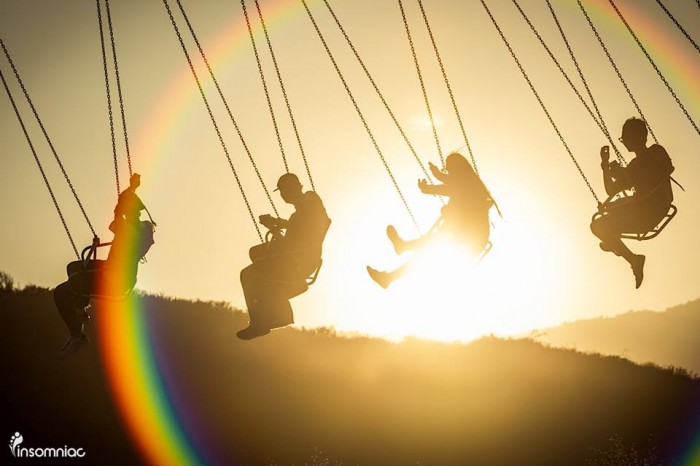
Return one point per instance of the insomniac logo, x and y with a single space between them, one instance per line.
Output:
54 452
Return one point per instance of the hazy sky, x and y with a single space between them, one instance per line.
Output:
545 266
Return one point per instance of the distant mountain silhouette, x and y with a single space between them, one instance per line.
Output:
668 338
313 397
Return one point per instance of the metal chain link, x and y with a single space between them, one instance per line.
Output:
603 126
362 118
226 106
36 158
284 94
678 25
379 93
46 136
617 70
656 68
449 88
119 86
213 120
599 123
422 83
537 96
264 83
109 95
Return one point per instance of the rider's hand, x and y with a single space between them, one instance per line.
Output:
423 185
615 168
434 170
605 155
267 221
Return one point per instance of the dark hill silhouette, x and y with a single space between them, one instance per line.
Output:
281 398
668 338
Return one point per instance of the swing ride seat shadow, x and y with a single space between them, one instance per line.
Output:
618 199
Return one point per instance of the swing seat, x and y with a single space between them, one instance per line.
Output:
654 232
289 288
615 199
292 288
85 271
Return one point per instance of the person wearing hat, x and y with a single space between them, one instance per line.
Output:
280 267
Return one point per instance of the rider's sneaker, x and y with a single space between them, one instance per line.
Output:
383 279
638 269
73 344
396 241
252 331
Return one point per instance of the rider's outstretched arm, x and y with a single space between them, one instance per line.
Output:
434 189
439 175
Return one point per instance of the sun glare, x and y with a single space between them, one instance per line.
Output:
448 294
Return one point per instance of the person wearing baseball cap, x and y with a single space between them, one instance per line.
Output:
280 266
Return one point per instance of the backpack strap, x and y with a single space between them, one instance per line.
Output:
677 183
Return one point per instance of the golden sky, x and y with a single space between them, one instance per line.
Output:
545 266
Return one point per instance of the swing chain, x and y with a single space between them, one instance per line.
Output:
537 96
109 94
362 118
602 124
449 88
678 25
264 83
617 70
36 158
119 86
656 68
284 94
598 122
422 83
213 120
226 106
379 93
46 135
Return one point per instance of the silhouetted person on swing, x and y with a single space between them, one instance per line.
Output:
112 277
649 175
129 205
281 266
465 217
